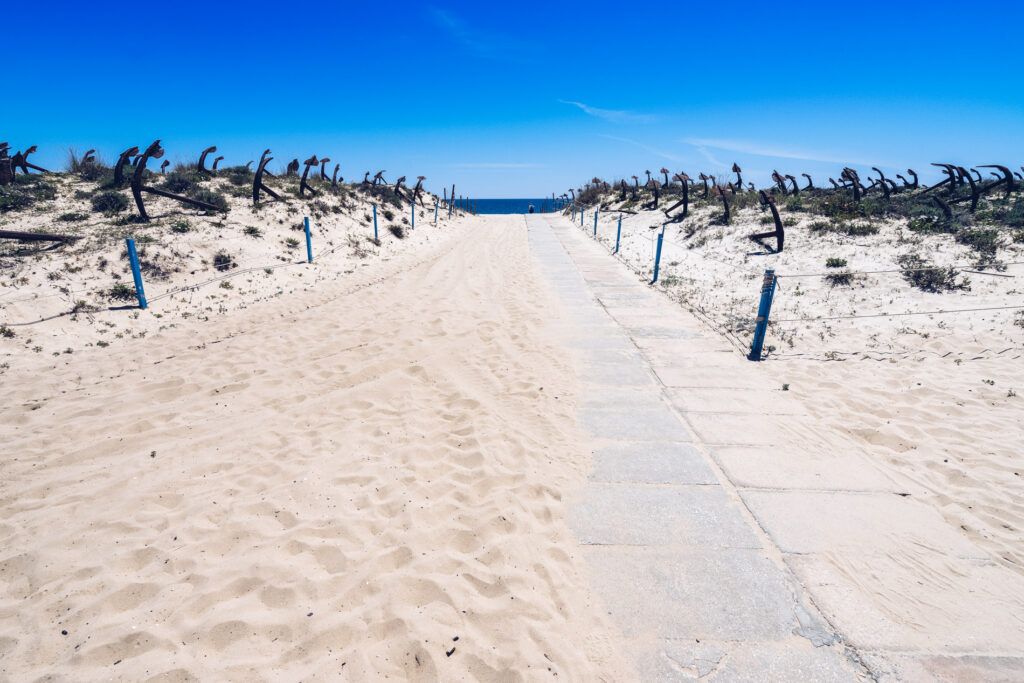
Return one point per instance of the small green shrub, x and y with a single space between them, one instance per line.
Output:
14 200
398 231
985 242
223 261
121 292
389 214
842 279
931 225
182 181
252 231
239 176
1015 216
72 217
835 263
920 274
180 225
6 332
109 202
211 197
292 243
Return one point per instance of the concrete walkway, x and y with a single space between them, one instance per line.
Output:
712 542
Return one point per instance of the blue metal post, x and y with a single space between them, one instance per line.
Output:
618 234
309 243
136 273
375 222
595 220
657 255
435 212
767 294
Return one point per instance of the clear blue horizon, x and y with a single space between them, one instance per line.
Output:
527 101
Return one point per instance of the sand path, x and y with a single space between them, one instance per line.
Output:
337 484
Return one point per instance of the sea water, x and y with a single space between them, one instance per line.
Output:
510 205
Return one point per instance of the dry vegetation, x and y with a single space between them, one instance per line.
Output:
184 252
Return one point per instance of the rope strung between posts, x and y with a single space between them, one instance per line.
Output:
955 266
898 315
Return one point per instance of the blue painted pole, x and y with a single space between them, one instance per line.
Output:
765 307
309 243
136 273
618 234
375 222
435 212
657 255
595 220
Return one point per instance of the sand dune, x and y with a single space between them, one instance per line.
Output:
343 483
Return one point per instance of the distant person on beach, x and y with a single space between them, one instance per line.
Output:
531 208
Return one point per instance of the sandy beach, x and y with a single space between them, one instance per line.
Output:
360 480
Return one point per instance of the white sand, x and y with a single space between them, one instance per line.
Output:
337 483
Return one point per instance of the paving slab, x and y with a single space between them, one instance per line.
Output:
651 463
728 428
648 515
619 374
927 667
694 593
658 424
718 400
962 606
778 468
814 522
669 661
616 398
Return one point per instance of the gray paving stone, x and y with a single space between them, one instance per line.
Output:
718 400
725 428
641 514
791 660
691 593
889 667
625 374
605 398
814 522
775 468
613 355
652 463
653 424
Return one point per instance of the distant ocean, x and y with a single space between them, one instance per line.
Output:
511 205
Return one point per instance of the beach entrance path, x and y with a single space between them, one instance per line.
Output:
732 537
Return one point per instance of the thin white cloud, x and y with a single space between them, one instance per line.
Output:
763 150
710 157
612 115
482 43
494 165
646 148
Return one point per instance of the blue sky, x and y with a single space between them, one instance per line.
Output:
522 99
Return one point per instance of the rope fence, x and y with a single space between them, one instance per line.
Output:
243 268
771 284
